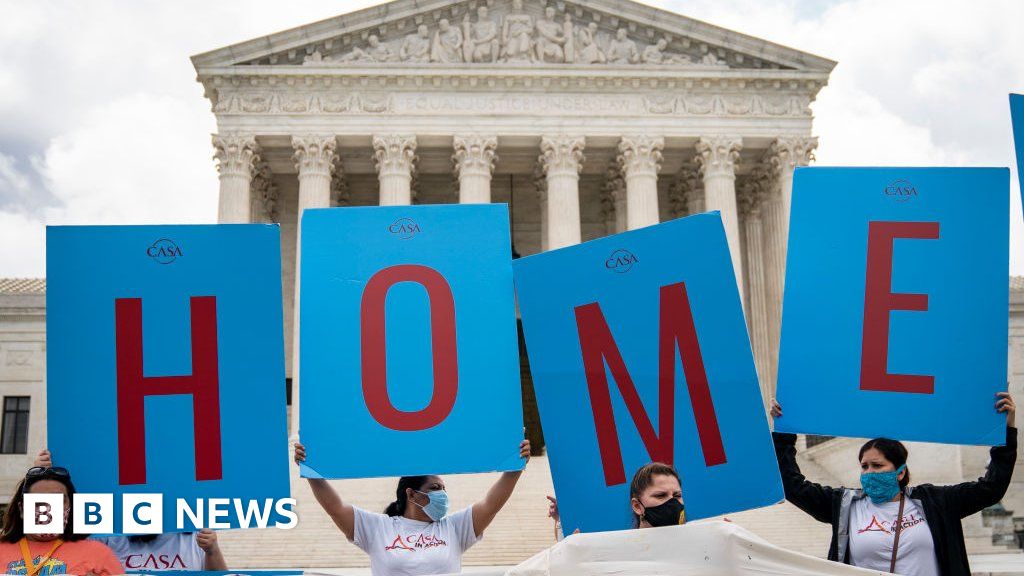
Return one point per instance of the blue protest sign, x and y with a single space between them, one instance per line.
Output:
639 353
895 308
1017 118
165 368
409 351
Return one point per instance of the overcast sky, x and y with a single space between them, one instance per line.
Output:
102 122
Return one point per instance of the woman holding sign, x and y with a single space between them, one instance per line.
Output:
655 495
417 520
61 552
889 525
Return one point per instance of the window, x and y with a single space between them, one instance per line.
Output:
14 436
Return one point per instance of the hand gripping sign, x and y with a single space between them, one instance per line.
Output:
639 353
409 352
895 309
164 366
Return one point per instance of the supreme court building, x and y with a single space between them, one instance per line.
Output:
587 118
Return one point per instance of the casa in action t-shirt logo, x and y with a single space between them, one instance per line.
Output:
901 191
621 261
164 251
404 228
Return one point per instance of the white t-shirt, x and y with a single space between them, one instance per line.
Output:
871 538
399 546
172 551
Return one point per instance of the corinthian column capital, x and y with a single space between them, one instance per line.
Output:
640 154
474 154
717 155
561 155
236 154
788 152
394 154
314 154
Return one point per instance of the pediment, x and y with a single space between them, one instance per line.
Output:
513 33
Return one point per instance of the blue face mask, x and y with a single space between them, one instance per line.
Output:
881 487
437 506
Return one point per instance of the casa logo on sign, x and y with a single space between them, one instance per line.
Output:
901 191
164 251
404 228
621 261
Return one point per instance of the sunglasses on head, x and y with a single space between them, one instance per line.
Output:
53 472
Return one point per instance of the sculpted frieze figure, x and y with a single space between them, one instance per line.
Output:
416 47
481 39
447 46
588 51
622 50
377 51
517 35
551 38
315 58
710 59
655 54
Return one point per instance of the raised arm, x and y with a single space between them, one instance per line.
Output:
485 510
343 515
213 558
812 498
972 497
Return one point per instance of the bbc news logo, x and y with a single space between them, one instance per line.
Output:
144 513
163 251
404 228
901 191
621 261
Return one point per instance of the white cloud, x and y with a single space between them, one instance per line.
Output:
140 159
919 82
22 243
104 98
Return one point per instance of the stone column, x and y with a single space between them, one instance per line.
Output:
785 154
717 157
474 162
750 200
640 160
263 204
562 158
237 155
396 157
541 184
615 188
315 158
782 157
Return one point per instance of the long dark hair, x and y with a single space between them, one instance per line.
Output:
397 508
13 528
893 450
643 479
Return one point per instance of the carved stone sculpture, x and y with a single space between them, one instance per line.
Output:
416 47
622 50
588 51
655 54
481 39
448 43
517 35
551 38
377 51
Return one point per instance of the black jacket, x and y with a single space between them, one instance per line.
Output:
944 506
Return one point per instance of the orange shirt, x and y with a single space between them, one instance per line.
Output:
80 557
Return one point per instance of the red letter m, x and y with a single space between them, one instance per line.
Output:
133 387
676 329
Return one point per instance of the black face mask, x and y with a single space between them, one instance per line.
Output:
670 513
